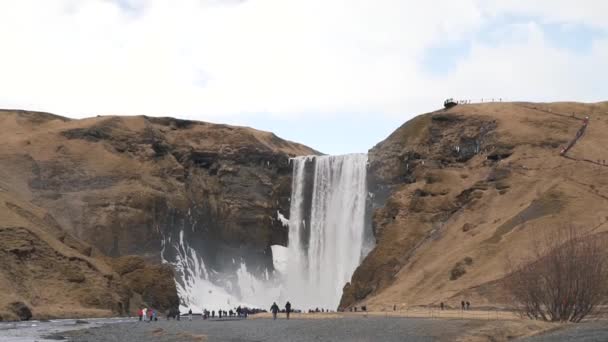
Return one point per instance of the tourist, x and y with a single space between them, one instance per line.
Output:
190 314
140 313
468 305
212 313
441 305
220 313
287 309
155 315
462 305
150 312
145 313
274 309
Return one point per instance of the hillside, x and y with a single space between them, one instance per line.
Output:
79 197
458 191
46 272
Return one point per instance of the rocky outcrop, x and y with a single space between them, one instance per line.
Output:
475 183
151 187
46 272
152 285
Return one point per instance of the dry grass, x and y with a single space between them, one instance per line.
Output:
192 337
541 192
508 330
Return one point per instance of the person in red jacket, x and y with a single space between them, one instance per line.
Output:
140 313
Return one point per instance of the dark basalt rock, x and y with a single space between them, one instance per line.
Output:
21 310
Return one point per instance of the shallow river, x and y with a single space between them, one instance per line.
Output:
31 331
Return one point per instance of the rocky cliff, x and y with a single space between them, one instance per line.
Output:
151 187
46 272
458 191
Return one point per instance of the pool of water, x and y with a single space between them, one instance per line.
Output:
31 331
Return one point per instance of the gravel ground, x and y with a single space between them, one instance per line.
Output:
582 332
32 331
345 329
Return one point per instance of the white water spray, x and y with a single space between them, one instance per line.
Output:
326 231
326 244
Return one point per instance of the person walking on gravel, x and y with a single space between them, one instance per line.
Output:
288 309
190 314
274 309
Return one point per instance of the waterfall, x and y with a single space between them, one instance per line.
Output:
326 229
328 237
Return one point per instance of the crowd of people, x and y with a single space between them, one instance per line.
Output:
150 315
147 315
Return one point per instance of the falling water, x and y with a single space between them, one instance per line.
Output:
326 229
327 240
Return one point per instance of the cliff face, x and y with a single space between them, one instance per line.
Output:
458 191
46 272
152 187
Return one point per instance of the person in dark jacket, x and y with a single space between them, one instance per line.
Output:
288 309
274 309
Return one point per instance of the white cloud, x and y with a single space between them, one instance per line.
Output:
217 60
587 12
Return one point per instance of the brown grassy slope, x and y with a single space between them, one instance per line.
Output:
104 179
119 184
55 274
39 268
478 181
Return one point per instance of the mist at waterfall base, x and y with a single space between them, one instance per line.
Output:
328 238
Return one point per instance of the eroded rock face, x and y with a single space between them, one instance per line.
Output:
154 285
463 184
45 272
428 142
150 186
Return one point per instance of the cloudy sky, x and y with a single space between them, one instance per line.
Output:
337 75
